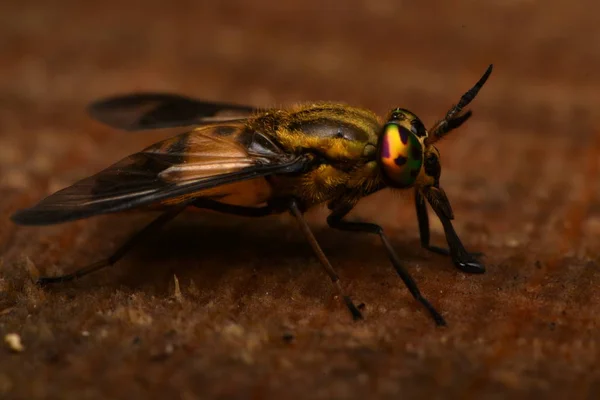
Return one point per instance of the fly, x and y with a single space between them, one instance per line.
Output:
255 162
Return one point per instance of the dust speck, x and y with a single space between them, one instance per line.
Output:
233 330
13 340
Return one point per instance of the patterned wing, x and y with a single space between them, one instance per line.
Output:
178 169
141 111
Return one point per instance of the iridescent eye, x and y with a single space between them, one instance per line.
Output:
401 155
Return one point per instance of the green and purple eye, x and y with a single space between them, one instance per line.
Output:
401 155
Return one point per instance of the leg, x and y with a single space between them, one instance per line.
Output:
356 314
270 209
209 204
423 219
335 220
462 259
121 251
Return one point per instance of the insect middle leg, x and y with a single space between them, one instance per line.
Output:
463 260
293 207
335 220
120 252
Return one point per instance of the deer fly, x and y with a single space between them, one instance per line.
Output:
255 162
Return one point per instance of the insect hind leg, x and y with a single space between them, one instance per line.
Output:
213 205
119 253
335 280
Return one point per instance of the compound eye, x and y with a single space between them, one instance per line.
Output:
401 155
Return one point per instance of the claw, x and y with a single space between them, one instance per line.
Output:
468 264
471 266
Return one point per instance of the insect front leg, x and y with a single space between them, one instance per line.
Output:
295 210
120 252
336 221
423 218
462 259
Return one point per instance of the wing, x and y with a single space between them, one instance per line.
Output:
169 172
141 111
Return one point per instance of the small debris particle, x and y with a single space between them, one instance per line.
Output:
13 340
85 333
288 337
233 330
177 293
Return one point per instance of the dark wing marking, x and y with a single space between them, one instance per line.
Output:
179 169
141 111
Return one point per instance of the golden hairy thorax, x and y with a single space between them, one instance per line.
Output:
343 138
336 131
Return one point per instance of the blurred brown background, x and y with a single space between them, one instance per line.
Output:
257 318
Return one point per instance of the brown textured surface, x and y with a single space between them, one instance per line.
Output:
522 176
